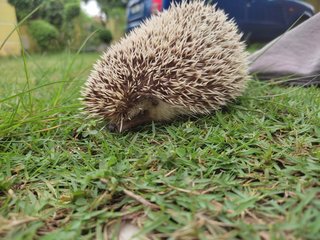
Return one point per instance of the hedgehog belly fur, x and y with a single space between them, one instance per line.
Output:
166 112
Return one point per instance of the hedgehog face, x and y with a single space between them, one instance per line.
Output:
145 110
138 114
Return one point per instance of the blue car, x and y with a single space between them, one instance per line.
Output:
258 20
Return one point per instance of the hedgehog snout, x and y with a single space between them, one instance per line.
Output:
112 127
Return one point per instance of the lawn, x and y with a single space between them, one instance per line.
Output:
249 171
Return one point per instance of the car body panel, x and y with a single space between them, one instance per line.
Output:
264 20
258 20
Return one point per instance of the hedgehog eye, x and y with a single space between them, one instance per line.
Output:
141 113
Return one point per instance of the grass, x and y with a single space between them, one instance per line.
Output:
250 171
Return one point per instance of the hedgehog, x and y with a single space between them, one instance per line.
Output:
187 60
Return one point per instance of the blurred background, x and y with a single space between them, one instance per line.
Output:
60 24
57 25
